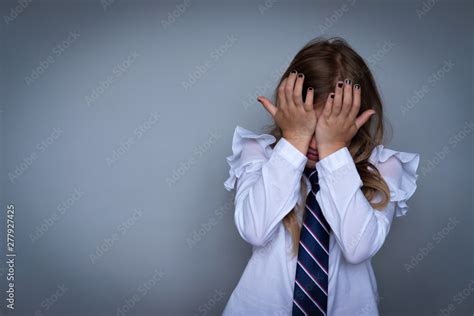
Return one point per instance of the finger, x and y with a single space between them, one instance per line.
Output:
308 102
268 105
363 118
355 102
297 92
289 86
281 101
346 98
337 104
328 107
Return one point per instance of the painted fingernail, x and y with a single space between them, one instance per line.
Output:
310 88
348 81
357 86
332 95
339 84
300 75
293 71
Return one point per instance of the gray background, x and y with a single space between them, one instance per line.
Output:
235 51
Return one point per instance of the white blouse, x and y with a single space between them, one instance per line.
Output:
268 188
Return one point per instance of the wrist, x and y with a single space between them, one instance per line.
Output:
301 143
325 150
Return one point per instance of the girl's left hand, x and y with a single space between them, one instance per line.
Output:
338 124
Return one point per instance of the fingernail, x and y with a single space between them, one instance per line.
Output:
293 71
300 75
357 86
332 95
310 88
339 84
348 81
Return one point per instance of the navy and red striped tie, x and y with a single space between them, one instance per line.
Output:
311 280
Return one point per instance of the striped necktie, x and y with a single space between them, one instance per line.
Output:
311 279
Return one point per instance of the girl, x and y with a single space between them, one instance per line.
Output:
316 196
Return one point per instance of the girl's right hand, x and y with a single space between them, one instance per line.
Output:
296 119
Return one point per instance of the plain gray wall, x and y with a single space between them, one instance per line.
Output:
119 137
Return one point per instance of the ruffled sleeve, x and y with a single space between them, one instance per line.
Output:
359 229
400 175
268 183
242 160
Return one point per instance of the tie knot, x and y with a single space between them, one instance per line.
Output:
312 175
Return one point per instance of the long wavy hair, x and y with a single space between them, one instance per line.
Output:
324 62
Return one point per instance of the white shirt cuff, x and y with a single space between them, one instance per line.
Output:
290 153
334 161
